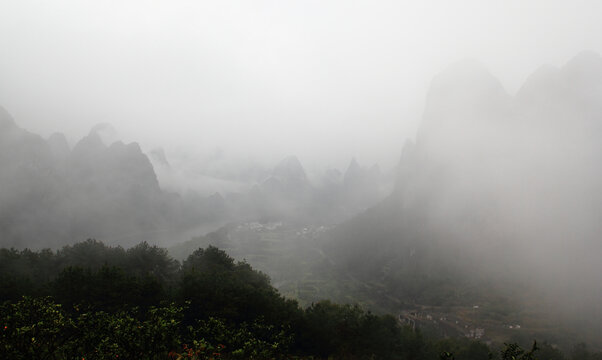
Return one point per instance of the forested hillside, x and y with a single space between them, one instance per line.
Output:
94 301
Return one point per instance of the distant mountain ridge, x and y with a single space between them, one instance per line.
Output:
287 194
53 195
496 188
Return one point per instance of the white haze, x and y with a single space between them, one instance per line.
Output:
503 162
324 80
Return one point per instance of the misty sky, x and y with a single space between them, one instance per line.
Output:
325 80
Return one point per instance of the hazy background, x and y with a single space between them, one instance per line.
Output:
496 199
325 80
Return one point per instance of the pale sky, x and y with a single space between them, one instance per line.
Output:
325 80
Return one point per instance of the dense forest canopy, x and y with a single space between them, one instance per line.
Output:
94 301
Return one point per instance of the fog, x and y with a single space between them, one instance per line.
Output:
323 81
430 155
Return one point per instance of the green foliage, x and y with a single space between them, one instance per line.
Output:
34 328
108 302
40 328
129 333
216 286
245 341
146 260
107 288
515 352
463 349
90 254
347 330
91 301
199 350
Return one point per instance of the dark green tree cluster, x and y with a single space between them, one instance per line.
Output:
91 301
95 301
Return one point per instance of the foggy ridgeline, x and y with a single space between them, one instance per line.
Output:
493 220
52 195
